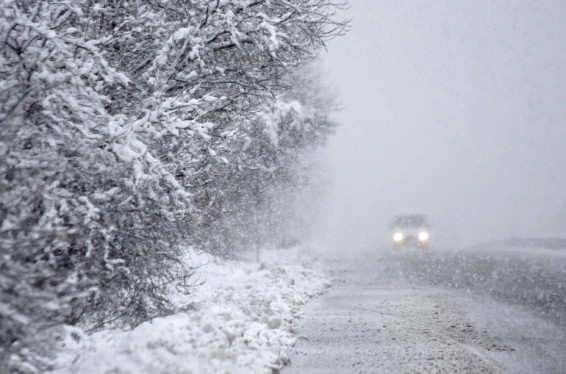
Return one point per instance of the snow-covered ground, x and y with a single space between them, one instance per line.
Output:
385 313
239 321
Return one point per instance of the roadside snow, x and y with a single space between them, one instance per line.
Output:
238 321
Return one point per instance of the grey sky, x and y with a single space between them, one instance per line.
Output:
452 108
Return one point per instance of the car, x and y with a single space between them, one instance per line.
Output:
410 231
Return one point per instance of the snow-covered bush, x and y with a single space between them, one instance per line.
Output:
117 121
72 213
269 173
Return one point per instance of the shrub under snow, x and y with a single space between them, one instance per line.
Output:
130 129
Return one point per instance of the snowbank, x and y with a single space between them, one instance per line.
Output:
238 321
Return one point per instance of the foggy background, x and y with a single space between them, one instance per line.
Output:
455 109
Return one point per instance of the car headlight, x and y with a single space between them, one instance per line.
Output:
423 236
398 237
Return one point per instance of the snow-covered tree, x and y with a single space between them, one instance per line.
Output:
117 119
269 169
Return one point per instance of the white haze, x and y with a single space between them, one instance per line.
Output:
456 109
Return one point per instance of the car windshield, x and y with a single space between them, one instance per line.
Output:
409 221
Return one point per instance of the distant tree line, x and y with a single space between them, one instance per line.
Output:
130 130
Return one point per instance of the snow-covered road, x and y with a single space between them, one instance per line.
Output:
380 318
